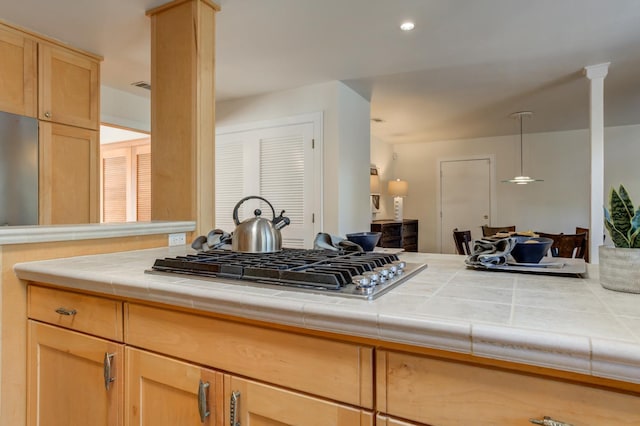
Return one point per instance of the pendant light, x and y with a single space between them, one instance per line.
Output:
521 179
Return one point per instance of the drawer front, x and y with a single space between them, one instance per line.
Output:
335 370
88 314
442 393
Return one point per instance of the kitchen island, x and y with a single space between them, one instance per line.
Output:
484 330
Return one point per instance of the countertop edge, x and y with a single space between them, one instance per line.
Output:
50 233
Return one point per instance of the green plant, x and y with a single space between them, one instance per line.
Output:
621 220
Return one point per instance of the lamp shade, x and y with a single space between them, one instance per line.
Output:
374 184
398 188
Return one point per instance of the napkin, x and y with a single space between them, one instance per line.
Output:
491 252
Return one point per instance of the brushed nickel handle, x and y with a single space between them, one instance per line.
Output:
235 403
107 370
202 400
548 421
47 114
65 311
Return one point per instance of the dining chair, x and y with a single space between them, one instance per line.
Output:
462 240
566 245
488 231
585 245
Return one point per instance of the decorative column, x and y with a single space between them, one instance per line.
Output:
596 74
183 112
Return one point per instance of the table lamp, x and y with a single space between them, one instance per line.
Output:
398 189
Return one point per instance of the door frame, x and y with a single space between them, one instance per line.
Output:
493 205
314 118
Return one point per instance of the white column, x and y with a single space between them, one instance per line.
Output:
596 74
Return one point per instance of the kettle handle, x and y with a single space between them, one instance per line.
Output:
235 209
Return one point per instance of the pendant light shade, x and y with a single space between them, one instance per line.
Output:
521 179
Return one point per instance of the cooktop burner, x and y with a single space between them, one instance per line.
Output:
356 274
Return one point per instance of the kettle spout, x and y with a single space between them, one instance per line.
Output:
281 221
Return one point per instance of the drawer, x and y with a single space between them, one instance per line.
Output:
440 392
336 370
89 314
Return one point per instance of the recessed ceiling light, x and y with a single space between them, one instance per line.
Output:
407 26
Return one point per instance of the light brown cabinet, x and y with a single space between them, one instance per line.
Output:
69 87
251 403
164 391
73 378
443 392
18 72
69 175
182 365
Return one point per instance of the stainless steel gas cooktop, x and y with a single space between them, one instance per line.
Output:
350 274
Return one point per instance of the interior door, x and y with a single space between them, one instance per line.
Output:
465 198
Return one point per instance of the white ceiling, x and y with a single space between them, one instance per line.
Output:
467 65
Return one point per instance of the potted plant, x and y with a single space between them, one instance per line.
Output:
620 265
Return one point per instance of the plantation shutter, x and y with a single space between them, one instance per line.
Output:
115 189
282 182
143 187
278 163
229 181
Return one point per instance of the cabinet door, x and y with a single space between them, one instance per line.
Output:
162 391
67 374
251 403
18 93
382 420
69 175
69 89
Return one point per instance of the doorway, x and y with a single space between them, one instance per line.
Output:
466 198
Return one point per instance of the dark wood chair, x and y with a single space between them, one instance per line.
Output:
488 231
462 240
585 248
566 245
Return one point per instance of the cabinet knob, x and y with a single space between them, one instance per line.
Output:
47 114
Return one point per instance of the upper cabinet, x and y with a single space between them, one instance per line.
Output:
68 87
18 72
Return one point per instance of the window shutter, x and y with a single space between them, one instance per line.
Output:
229 182
282 182
115 189
143 187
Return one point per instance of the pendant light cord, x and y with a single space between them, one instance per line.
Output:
521 161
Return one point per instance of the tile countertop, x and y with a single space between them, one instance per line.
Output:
564 323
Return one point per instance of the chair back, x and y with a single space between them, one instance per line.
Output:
462 240
488 231
566 245
585 249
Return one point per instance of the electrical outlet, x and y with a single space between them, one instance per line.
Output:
179 239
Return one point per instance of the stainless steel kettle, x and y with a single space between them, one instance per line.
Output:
258 234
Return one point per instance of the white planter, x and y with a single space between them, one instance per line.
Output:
620 269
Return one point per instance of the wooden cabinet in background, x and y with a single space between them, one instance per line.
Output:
69 175
67 378
397 234
163 391
18 72
69 87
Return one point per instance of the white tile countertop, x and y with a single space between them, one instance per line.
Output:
565 323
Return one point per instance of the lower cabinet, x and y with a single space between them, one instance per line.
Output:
163 391
382 420
252 403
442 392
73 378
